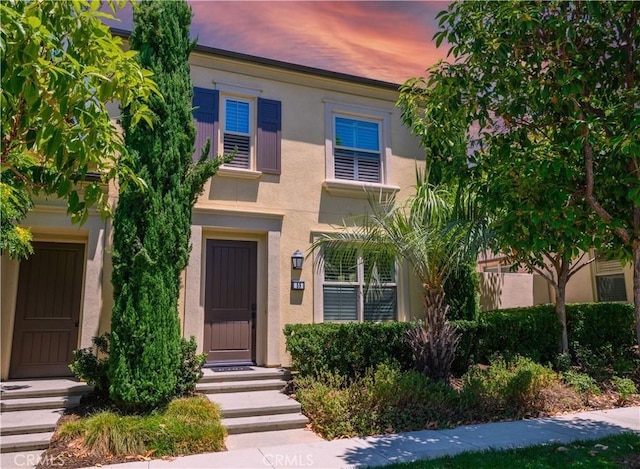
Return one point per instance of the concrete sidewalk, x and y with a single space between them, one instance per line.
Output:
403 447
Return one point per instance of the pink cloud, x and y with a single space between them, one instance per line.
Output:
385 40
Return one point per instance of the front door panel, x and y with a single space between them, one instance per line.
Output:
47 315
230 301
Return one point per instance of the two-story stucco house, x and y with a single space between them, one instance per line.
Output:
310 146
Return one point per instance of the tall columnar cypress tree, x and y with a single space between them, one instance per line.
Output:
152 226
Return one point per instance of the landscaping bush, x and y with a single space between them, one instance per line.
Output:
91 367
461 292
380 401
528 332
347 349
512 389
186 426
581 382
386 399
602 338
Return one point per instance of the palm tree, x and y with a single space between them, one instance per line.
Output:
434 232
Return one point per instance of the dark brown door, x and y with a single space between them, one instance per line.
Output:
230 302
45 331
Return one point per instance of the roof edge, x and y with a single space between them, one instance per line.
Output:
282 65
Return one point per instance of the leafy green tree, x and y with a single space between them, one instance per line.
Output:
152 227
60 67
428 234
545 94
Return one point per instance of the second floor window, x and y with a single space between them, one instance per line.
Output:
237 132
357 149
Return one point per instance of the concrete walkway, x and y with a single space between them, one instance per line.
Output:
401 447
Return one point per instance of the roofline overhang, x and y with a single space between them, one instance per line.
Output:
252 59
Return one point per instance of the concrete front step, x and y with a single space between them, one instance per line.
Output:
37 403
33 441
241 386
256 374
26 389
29 421
264 423
255 403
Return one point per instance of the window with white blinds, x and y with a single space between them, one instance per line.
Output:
345 296
237 132
610 282
356 146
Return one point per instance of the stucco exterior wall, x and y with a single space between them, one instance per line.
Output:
281 213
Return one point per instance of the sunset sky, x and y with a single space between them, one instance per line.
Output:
385 40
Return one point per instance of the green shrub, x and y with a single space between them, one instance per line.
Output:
507 388
379 401
581 382
91 367
191 364
528 332
347 349
461 291
625 387
186 426
602 338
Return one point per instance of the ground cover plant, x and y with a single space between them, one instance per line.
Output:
364 379
186 426
388 400
614 451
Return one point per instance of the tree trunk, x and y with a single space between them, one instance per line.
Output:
561 308
561 312
636 287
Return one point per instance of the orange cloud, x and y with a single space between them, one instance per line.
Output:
389 41
385 40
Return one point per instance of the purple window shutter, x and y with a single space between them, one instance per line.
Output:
269 136
205 114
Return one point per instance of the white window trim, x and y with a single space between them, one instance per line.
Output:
356 188
233 171
401 282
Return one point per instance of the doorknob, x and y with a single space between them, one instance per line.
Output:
77 323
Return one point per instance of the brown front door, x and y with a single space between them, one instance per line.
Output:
230 302
45 331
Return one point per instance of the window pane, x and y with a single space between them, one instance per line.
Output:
611 287
340 267
236 116
384 271
340 303
380 304
241 145
357 134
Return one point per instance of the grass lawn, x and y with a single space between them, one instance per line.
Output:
615 451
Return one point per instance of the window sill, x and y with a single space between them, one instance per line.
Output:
356 189
238 173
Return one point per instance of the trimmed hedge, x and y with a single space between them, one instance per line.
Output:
601 337
348 349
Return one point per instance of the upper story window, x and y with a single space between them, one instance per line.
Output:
251 126
237 132
345 296
357 149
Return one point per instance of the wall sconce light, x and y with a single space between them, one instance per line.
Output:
297 285
297 258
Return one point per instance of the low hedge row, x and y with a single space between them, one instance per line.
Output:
601 336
